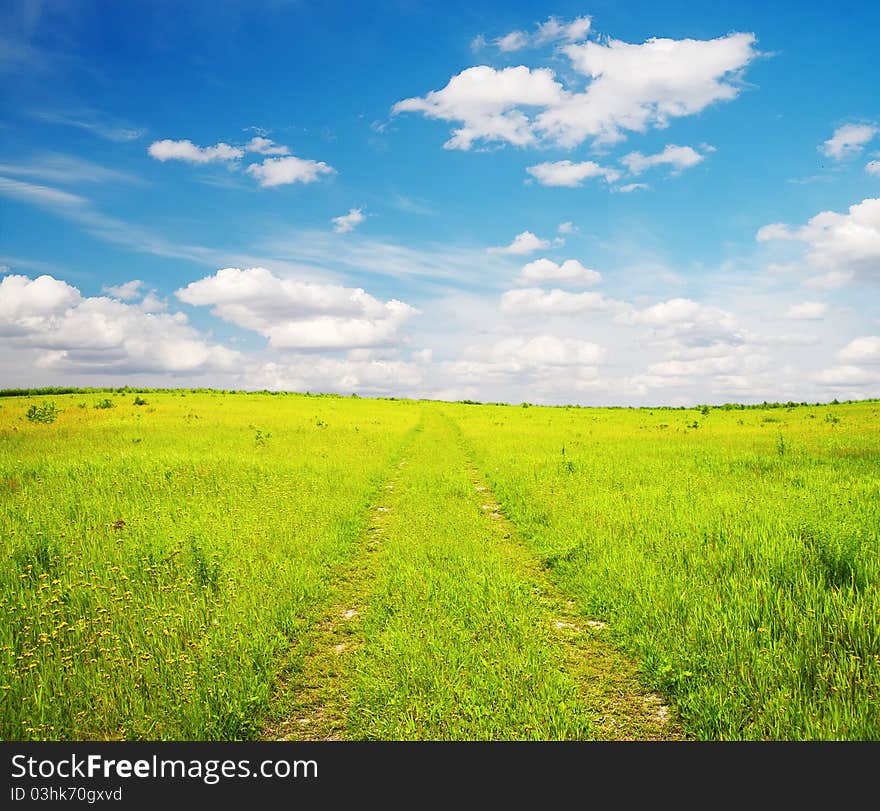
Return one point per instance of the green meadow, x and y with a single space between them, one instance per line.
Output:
200 565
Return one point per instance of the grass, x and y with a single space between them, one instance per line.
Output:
175 564
158 561
738 562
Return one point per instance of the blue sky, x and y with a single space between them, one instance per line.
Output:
606 203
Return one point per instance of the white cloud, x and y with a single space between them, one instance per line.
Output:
807 310
273 171
281 171
486 101
831 280
42 195
567 228
96 123
630 187
187 151
301 315
126 291
69 332
845 376
634 87
265 146
570 272
519 353
348 222
865 349
628 88
566 173
848 140
873 167
514 41
372 376
734 361
688 322
60 168
535 301
526 242
551 30
838 246
678 157
151 303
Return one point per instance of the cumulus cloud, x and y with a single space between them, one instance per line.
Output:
628 88
553 30
630 187
846 376
373 376
188 152
272 171
348 222
519 353
151 303
688 322
265 146
570 273
70 332
298 315
525 242
282 171
634 87
873 167
126 291
807 310
535 301
865 349
838 246
732 362
486 101
514 41
678 157
848 140
567 228
566 173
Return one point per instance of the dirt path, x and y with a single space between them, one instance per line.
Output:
607 680
312 701
415 644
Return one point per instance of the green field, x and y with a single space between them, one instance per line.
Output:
208 565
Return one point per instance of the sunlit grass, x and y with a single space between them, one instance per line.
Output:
737 560
158 559
457 645
165 556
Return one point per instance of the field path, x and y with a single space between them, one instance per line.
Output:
312 703
623 709
446 627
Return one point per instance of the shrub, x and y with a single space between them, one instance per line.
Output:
105 403
45 412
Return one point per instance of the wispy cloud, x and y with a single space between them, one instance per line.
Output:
59 168
99 124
